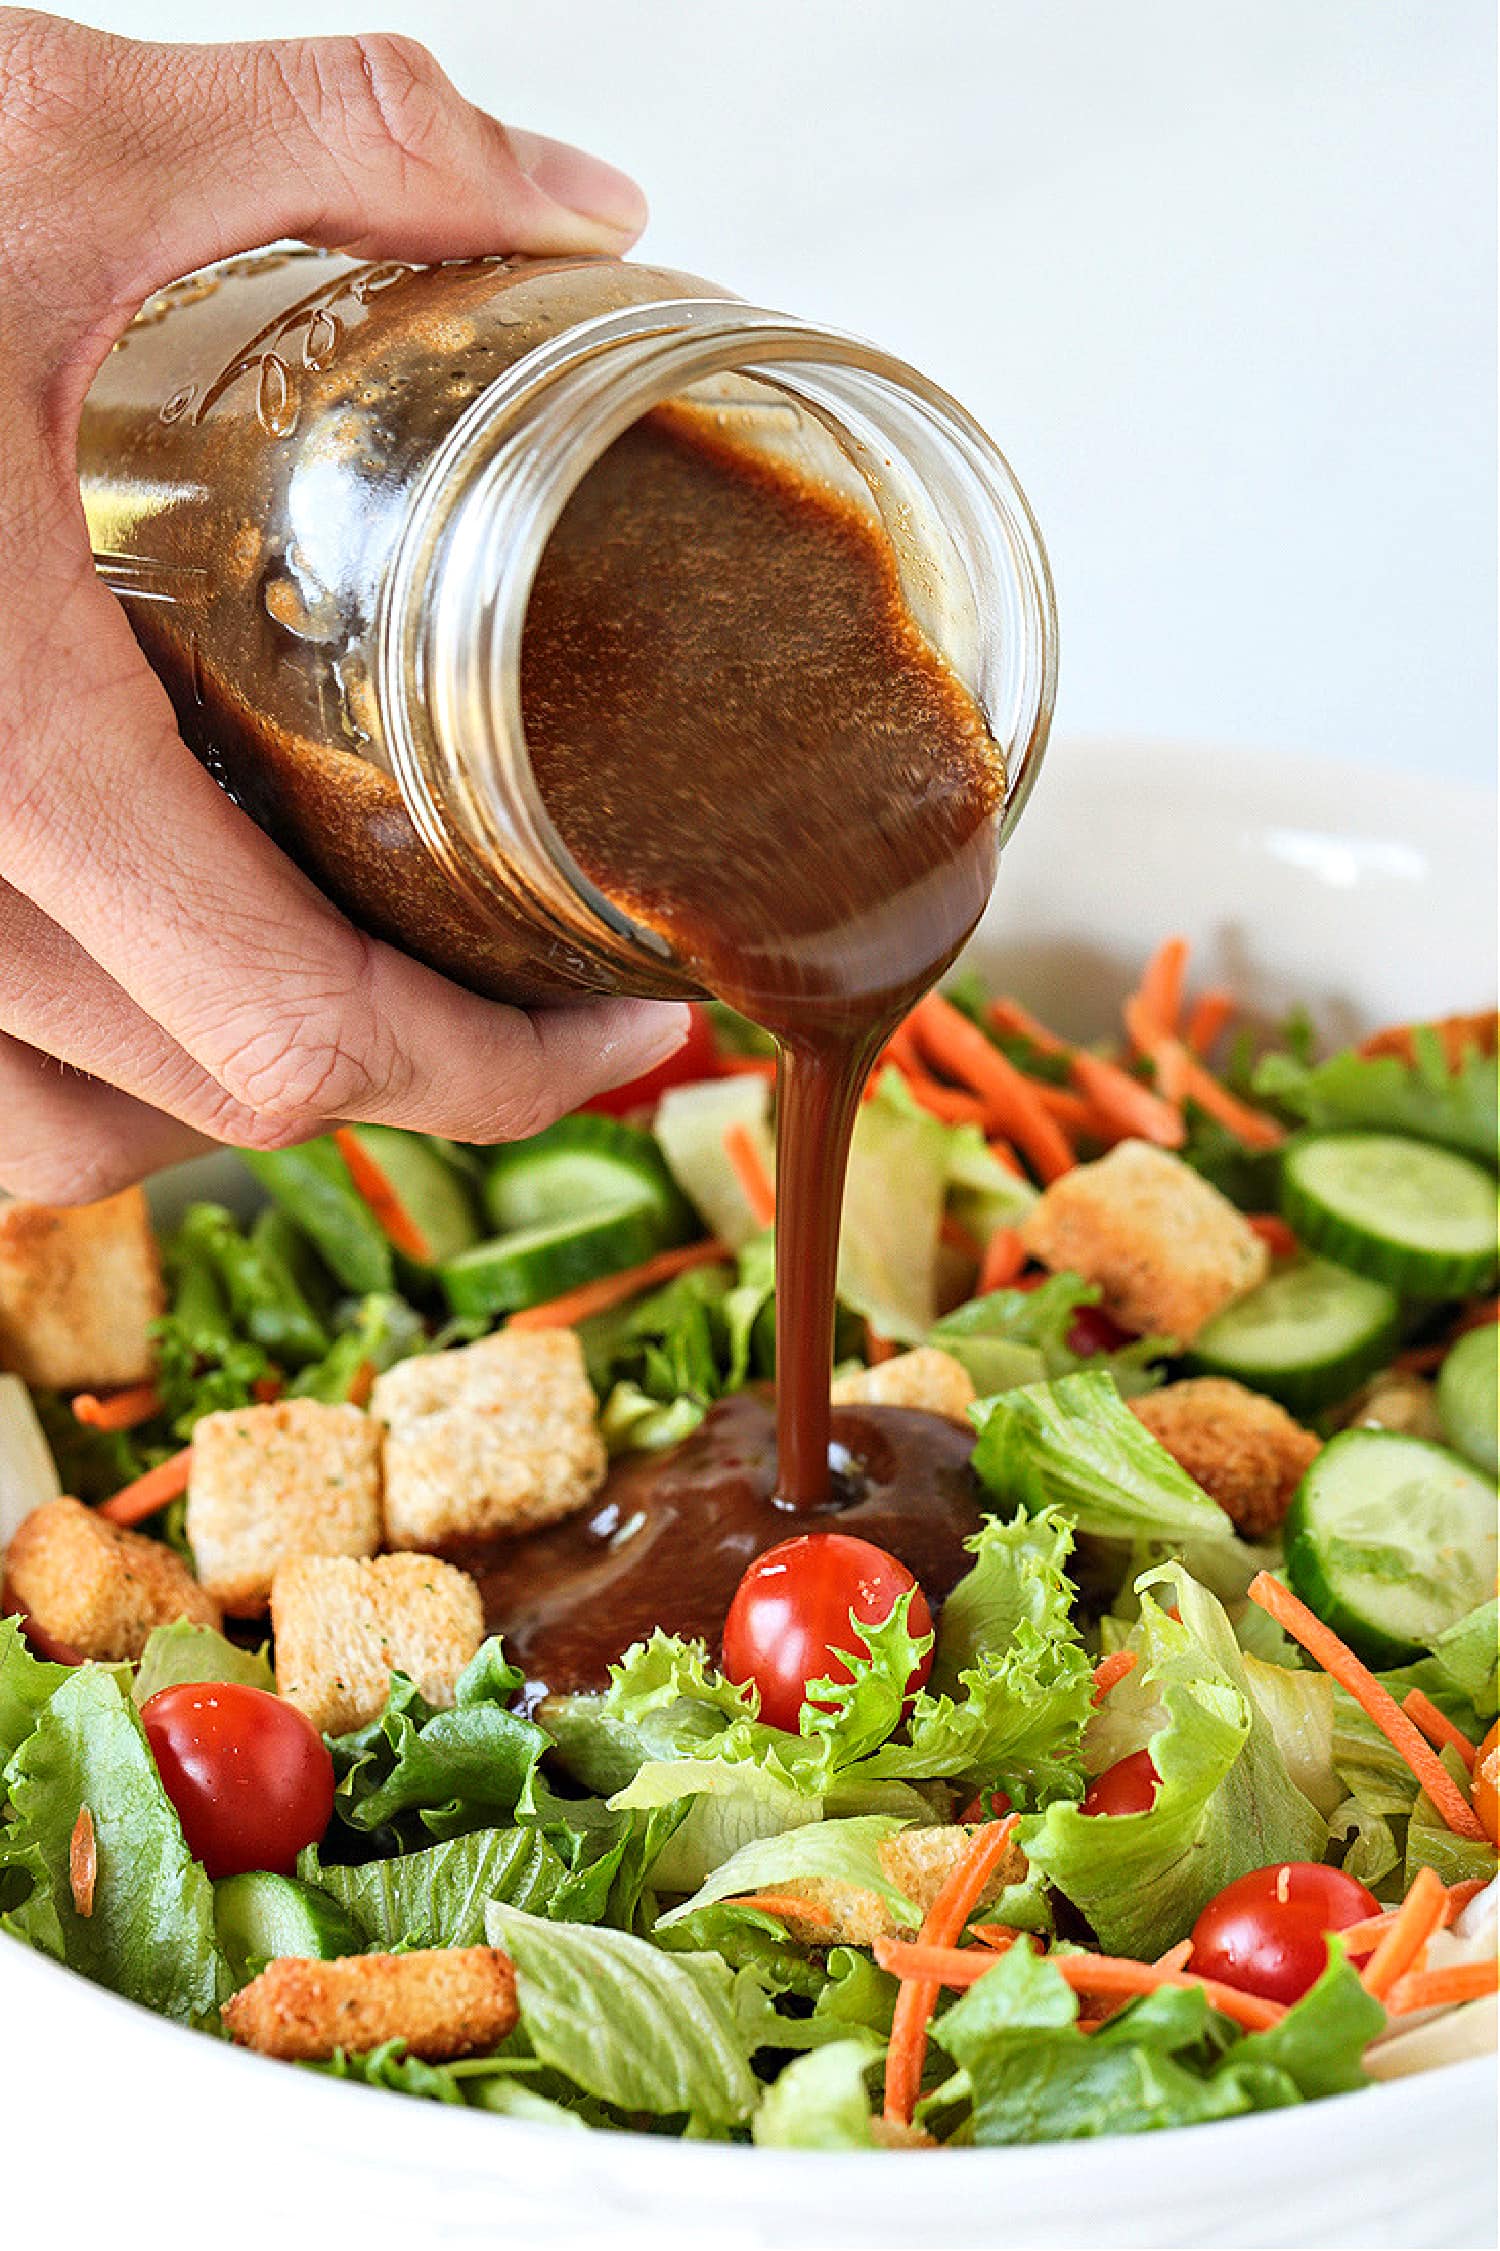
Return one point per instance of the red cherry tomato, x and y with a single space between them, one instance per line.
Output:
250 1776
1265 1933
697 1058
1129 1786
790 1617
1091 1329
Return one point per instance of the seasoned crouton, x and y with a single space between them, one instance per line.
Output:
1244 1449
925 1378
99 1589
499 1436
1167 1250
294 1478
917 1861
443 2001
79 1289
343 1625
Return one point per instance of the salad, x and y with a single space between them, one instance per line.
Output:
1180 1804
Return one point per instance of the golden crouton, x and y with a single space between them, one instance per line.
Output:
294 1478
917 1861
925 1378
443 2001
1167 1250
499 1436
1243 1449
96 1587
343 1625
79 1289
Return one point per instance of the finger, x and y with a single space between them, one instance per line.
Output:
65 1139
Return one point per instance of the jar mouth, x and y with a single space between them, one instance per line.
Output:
454 604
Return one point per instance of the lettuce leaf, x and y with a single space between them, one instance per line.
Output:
184 1652
437 1897
1013 1337
690 1125
413 1769
1466 1654
1455 1107
1017 1576
26 1684
819 2101
842 1851
894 1198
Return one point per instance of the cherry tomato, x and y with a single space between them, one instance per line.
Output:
697 1058
790 1616
250 1776
1091 1329
1487 1784
1265 1933
1129 1786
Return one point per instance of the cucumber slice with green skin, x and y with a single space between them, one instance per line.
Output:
1422 1219
580 1165
1390 1540
532 1264
1308 1335
430 1189
1467 1402
260 1917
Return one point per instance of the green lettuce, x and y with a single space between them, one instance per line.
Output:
1466 1652
413 1769
841 1851
183 1652
1013 1337
819 2101
437 1896
1424 1097
26 1685
894 1199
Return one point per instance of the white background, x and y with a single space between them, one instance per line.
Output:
1218 276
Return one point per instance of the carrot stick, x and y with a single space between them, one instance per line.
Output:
1104 1974
1176 1957
1003 1154
956 1900
1125 1108
267 1389
1180 1074
122 1410
1161 983
1208 1018
878 1349
134 1503
1008 1015
1004 1257
1440 1989
958 1238
750 1172
1459 1895
1274 1233
1363 1938
1438 1728
960 1048
999 1936
1110 1671
784 1903
1375 1702
361 1384
950 1103
371 1182
1420 1914
613 1289
1072 1112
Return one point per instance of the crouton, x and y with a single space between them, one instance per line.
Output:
917 1861
1167 1250
925 1378
343 1625
79 1289
443 2001
1244 1449
95 1587
294 1478
497 1437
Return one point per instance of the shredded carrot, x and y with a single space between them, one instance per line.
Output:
1456 1034
267 1389
1208 1018
999 1936
922 1963
613 1289
960 1048
1160 987
956 1900
878 1349
361 1384
1008 1015
1421 1359
784 1903
122 1410
1176 1957
747 1067
750 1172
1274 1233
1003 1154
957 1238
83 1863
950 1103
1377 1703
1419 1915
1440 1989
1110 1671
1363 1938
1438 1728
1459 1895
1122 1106
1180 1074
901 1049
1072 1112
1004 1257
1479 1317
372 1183
134 1503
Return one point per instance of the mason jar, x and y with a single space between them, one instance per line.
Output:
322 488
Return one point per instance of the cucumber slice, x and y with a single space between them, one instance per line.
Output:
1467 1388
1307 1335
1390 1540
1420 1218
260 1917
532 1264
581 1165
432 1190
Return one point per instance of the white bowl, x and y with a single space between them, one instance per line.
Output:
1371 897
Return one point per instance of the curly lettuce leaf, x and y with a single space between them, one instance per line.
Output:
413 1769
184 1652
26 1685
1017 1576
819 2101
1456 1107
1014 1337
839 1851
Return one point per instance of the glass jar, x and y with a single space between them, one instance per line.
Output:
322 489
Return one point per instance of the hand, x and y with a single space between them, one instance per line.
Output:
167 978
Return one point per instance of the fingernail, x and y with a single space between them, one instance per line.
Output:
582 184
653 1031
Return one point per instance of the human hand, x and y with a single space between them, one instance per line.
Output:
167 977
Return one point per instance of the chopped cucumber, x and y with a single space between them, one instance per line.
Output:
430 1188
1390 1540
1467 1385
1307 1335
532 1264
260 1917
1407 1213
582 1164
